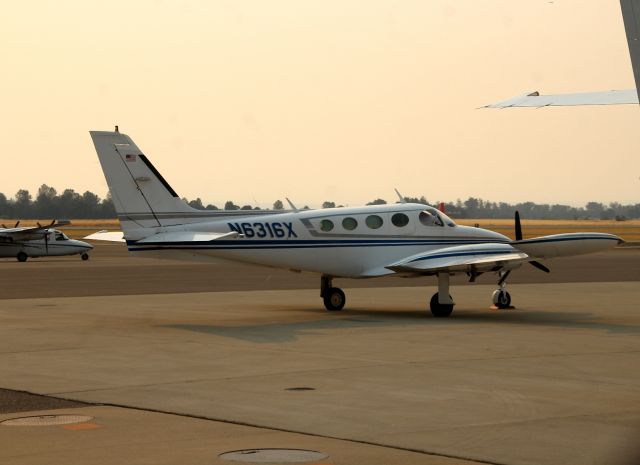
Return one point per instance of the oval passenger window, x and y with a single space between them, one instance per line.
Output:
400 220
374 221
326 225
349 223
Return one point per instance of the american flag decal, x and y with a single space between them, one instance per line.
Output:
130 158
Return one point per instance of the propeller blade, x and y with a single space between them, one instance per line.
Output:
540 266
46 243
17 223
38 223
52 223
518 227
4 226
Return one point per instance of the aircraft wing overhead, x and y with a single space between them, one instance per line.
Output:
463 258
534 99
631 17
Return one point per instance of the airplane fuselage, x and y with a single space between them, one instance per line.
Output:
347 242
56 245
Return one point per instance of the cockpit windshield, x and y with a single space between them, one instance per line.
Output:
432 217
60 236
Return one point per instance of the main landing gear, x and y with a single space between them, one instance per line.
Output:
333 297
441 303
22 257
501 298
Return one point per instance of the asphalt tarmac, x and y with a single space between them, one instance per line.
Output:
113 271
175 362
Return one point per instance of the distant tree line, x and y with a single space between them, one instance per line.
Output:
49 204
477 208
71 204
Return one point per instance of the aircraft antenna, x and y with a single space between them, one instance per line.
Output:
293 207
400 196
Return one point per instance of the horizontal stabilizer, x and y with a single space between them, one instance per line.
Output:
534 99
187 236
110 236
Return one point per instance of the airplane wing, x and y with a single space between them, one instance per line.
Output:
30 233
476 258
534 99
481 258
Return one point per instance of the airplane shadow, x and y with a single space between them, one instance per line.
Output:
370 318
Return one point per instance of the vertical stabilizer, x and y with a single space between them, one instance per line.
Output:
141 196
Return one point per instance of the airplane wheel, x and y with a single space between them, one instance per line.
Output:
22 257
84 256
438 309
334 299
501 298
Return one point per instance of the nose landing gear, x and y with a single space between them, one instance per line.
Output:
501 298
84 256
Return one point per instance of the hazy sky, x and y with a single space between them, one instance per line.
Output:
321 100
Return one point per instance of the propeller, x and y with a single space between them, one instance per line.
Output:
518 227
17 223
46 235
540 266
533 263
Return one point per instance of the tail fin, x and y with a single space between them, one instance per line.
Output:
141 196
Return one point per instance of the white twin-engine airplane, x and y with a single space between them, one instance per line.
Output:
362 242
39 241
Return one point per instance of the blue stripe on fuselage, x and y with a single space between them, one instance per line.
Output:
297 244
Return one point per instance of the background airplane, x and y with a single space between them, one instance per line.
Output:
355 242
631 17
39 241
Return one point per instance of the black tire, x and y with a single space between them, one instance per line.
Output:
440 310
84 256
334 299
502 299
22 257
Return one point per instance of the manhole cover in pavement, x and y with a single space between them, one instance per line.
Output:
273 456
46 420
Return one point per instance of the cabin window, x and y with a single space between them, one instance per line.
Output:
374 221
400 220
349 223
326 225
430 219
